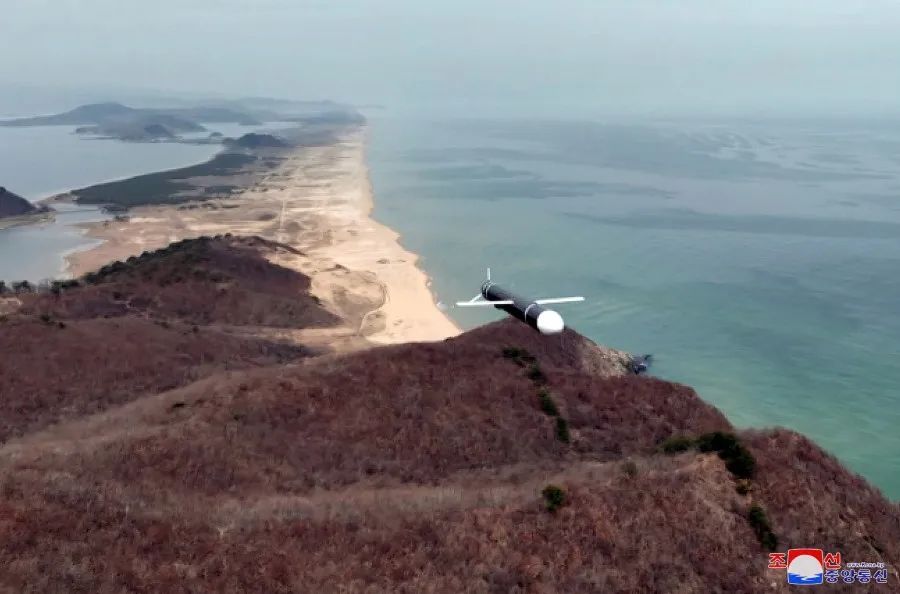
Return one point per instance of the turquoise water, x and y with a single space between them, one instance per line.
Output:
758 261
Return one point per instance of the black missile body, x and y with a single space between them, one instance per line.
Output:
544 320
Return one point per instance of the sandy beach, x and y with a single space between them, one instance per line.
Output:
319 201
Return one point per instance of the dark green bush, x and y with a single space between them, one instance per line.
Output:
562 430
676 443
519 356
548 406
535 374
759 521
738 459
554 497
513 352
717 441
740 463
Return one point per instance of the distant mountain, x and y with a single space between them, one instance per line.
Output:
95 113
156 131
12 205
139 126
114 118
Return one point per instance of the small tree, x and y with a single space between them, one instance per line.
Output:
738 459
717 441
22 287
57 287
759 521
741 463
554 497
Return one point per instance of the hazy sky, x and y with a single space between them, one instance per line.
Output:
646 56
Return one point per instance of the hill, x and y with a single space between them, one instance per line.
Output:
93 113
15 210
159 442
138 127
12 205
153 323
254 141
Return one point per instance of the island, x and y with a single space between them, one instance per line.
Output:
253 140
111 119
115 120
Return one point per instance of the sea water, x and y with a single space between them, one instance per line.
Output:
758 261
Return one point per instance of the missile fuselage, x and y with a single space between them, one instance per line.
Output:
545 321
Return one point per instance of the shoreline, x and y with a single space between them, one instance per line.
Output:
318 200
28 219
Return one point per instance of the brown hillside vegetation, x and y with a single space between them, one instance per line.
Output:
410 468
145 327
222 280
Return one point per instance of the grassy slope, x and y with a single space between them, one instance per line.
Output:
152 324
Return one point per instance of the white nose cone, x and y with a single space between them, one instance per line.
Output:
550 322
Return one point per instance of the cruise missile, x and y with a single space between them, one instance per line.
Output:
532 312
